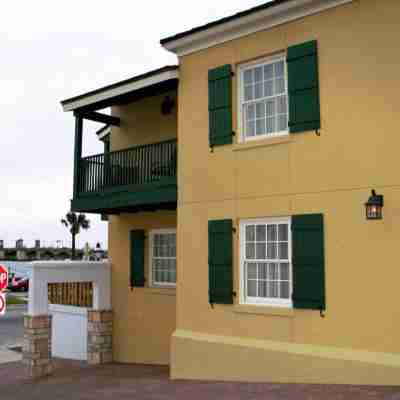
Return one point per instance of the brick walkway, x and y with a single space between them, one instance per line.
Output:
75 380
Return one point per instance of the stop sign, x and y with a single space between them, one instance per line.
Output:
3 277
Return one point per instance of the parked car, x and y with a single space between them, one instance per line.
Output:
19 284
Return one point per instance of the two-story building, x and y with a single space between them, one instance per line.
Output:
252 199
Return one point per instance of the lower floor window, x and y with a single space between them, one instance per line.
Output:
266 261
163 257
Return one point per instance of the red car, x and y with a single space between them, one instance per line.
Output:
19 284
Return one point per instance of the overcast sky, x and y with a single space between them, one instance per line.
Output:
53 50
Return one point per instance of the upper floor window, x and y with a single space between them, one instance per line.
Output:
163 257
263 98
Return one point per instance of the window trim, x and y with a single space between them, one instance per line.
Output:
150 264
240 98
243 299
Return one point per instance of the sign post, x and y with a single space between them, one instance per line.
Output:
3 286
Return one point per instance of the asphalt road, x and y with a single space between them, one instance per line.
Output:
12 327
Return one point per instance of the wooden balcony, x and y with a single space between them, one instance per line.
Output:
141 178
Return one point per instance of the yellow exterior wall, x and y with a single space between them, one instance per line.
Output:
144 318
303 173
143 123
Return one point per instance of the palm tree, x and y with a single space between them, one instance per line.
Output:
75 223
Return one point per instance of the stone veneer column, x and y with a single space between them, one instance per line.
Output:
37 345
99 343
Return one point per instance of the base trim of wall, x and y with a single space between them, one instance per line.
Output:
198 355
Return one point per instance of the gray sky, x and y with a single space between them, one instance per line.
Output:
52 50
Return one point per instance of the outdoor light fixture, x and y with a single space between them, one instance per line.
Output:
167 105
374 205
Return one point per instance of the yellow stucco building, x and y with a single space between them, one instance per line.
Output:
235 187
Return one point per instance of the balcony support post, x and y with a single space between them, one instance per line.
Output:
77 153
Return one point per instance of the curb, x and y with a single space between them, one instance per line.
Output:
15 307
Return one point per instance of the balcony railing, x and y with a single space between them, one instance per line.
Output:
134 166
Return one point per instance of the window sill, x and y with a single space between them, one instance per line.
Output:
262 142
264 310
163 291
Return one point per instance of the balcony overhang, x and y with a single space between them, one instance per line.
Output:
152 83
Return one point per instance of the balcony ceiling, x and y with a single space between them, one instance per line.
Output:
152 83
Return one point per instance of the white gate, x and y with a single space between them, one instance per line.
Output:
68 332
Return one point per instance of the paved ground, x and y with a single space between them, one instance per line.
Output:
11 333
12 326
75 380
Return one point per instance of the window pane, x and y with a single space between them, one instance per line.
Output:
284 290
284 269
252 288
281 106
273 289
258 90
273 272
270 125
260 233
260 110
270 108
268 72
250 112
271 233
258 74
262 270
268 88
271 251
279 68
283 251
250 233
260 126
250 128
282 123
251 270
250 251
279 86
262 288
248 76
248 93
260 251
283 232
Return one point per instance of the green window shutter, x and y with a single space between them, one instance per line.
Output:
303 87
308 262
220 261
220 105
137 259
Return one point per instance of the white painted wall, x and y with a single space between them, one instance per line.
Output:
69 325
69 332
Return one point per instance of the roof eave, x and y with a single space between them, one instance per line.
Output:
242 24
105 96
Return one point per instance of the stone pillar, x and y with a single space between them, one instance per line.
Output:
99 337
37 345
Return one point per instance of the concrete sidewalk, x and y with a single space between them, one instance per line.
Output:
7 355
77 380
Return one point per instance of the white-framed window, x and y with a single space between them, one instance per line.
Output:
266 268
163 257
263 98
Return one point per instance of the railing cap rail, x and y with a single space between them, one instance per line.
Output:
132 148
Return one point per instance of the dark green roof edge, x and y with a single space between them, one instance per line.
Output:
224 20
130 80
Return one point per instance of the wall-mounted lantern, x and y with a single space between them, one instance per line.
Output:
167 105
374 205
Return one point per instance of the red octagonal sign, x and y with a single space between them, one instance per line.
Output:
2 303
3 277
